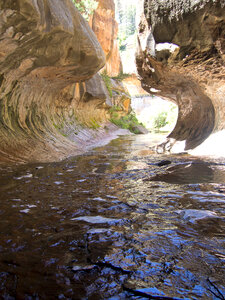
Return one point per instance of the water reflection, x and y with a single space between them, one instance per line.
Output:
192 172
110 223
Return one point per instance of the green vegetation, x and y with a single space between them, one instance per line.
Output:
94 124
126 16
160 120
58 126
107 82
159 116
86 7
129 121
64 134
121 76
114 109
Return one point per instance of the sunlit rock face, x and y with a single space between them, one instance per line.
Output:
105 27
46 51
181 57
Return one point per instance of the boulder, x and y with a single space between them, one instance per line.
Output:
139 129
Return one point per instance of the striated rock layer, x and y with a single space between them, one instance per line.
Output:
105 27
47 51
181 56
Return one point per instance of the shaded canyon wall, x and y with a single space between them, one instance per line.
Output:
50 103
181 57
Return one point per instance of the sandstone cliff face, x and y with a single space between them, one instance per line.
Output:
105 28
45 48
181 54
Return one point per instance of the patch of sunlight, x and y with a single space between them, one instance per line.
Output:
128 57
166 46
133 85
213 146
178 147
149 109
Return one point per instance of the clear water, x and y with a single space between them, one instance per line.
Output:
110 223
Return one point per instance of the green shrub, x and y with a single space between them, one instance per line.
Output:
114 108
160 120
129 122
86 7
122 48
114 115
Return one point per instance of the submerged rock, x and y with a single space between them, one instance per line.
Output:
83 268
163 163
96 219
194 215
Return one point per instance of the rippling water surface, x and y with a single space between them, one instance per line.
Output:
111 224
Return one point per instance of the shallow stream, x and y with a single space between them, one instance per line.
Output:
112 224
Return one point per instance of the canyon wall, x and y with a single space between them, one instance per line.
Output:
105 27
50 104
181 56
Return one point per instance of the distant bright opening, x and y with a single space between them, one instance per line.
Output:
156 114
128 16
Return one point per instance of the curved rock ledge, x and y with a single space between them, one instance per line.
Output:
181 57
47 51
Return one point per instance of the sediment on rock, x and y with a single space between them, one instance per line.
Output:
181 55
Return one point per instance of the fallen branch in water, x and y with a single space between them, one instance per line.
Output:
146 295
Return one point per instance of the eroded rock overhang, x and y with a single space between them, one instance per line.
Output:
45 47
181 56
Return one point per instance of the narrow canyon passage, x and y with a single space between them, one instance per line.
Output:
85 218
52 96
112 224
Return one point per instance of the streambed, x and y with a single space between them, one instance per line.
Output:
112 224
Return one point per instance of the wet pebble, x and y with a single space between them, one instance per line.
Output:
83 268
25 211
194 215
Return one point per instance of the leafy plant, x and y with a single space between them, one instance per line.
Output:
121 76
129 122
86 7
160 120
107 82
114 108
